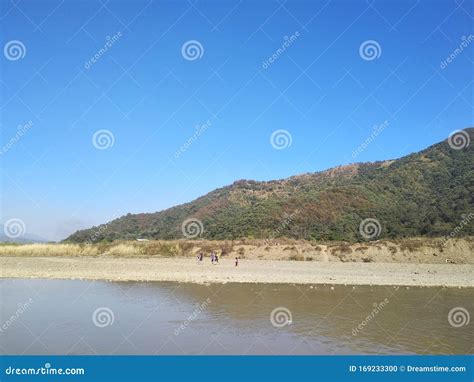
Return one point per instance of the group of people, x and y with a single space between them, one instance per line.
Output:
214 258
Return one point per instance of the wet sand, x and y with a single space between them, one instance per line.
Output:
248 271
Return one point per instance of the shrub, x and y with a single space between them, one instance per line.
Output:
296 257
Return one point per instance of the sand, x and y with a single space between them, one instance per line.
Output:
404 251
248 271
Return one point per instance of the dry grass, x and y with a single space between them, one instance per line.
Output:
123 250
49 250
414 250
120 248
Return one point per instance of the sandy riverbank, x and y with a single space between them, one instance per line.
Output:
248 271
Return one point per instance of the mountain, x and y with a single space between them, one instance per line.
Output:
429 193
24 239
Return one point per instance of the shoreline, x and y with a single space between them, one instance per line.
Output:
248 271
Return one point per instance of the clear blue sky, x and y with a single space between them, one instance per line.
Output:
320 89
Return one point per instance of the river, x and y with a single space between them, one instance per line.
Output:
98 317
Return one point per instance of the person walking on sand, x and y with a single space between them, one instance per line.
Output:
236 261
216 259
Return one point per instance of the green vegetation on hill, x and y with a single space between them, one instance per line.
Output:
428 193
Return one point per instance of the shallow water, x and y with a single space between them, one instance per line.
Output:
57 317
